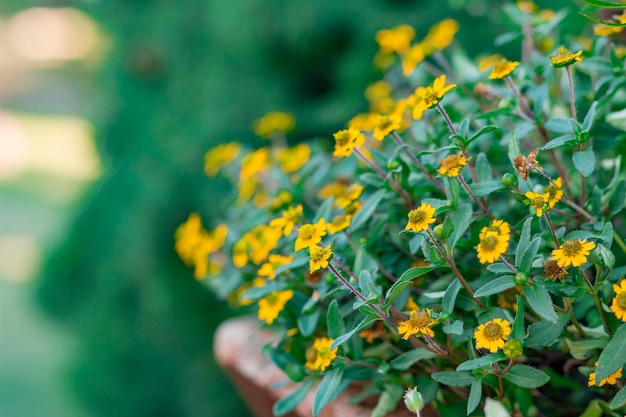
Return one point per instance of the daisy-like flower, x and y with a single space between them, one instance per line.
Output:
420 218
605 30
539 201
373 332
574 252
320 355
452 164
319 257
219 157
492 335
290 216
412 58
553 271
274 122
346 140
494 241
272 304
611 379
565 58
432 95
344 194
419 323
397 39
502 69
386 124
310 235
269 268
619 302
554 191
292 159
338 223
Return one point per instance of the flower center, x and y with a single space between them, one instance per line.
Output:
317 253
307 231
417 216
323 352
430 97
489 242
621 300
493 331
271 298
420 320
343 139
538 202
572 248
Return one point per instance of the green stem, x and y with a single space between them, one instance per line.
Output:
417 162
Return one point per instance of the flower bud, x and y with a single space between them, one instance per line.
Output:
509 179
393 164
512 349
413 400
444 316
521 279
437 231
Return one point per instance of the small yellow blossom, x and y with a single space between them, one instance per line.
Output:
386 124
489 61
346 140
411 304
274 122
527 6
605 30
272 304
378 94
619 302
419 323
553 271
290 216
320 356
611 379
565 58
365 122
261 240
240 253
338 223
268 269
412 58
573 252
492 335
420 218
292 159
502 69
397 39
431 95
343 193
539 201
452 164
310 235
494 241
373 332
442 34
254 163
554 191
283 198
199 248
220 157
319 257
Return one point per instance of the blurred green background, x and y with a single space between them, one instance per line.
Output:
106 110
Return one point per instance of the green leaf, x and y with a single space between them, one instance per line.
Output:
619 399
526 376
388 400
518 324
294 398
446 229
367 210
400 285
461 218
324 210
496 286
334 321
498 268
604 4
453 378
368 288
308 322
486 187
618 199
585 161
593 409
454 328
543 333
453 191
566 140
481 132
407 359
558 125
327 390
524 240
583 349
514 148
589 117
363 324
526 260
475 395
613 356
482 362
539 300
449 297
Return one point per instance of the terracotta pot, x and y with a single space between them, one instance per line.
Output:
237 349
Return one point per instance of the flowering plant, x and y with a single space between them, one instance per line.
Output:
461 241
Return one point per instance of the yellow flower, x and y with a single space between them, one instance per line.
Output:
274 122
338 223
420 218
310 235
452 164
272 304
431 95
574 252
319 257
379 96
619 302
492 335
290 216
411 304
397 39
219 157
320 355
412 58
538 201
611 379
268 269
502 69
239 295
364 122
386 124
494 241
441 34
553 271
196 246
554 191
343 193
604 30
283 198
346 140
261 240
565 58
419 323
240 252
373 332
254 163
294 158
488 62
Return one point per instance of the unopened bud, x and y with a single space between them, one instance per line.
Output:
512 349
413 400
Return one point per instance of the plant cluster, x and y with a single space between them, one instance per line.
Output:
461 242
